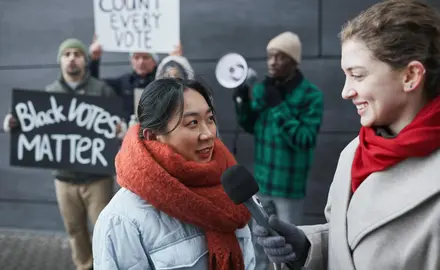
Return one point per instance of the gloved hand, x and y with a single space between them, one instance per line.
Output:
242 92
293 246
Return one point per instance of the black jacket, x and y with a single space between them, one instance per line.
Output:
124 85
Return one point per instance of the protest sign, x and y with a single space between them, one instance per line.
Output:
137 96
65 131
137 25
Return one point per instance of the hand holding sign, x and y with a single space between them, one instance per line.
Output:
10 123
177 50
13 123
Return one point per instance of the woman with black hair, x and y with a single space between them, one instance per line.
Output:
172 212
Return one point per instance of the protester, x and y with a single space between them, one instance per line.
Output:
78 194
284 114
172 211
144 67
383 205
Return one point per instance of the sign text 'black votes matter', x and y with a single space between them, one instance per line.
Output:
64 131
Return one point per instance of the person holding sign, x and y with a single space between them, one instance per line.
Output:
143 72
78 194
172 211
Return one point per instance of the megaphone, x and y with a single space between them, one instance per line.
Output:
232 71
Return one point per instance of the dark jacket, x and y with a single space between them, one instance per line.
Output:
124 86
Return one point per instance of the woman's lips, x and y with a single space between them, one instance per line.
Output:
205 152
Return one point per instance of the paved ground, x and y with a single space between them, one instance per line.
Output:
34 250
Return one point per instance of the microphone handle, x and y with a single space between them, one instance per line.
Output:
260 215
262 218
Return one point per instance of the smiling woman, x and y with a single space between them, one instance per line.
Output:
181 117
172 212
383 204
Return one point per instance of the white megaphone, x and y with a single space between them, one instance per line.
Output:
232 71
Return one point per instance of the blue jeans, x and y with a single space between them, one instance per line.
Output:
289 210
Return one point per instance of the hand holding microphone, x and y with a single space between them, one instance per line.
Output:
282 242
292 246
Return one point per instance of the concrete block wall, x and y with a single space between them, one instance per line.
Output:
30 32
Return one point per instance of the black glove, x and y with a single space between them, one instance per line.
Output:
272 93
242 92
292 247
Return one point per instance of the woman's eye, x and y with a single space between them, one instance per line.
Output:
357 76
193 122
212 118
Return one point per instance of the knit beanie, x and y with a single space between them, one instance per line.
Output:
288 43
179 60
72 43
154 56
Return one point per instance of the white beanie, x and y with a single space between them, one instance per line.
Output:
288 43
180 60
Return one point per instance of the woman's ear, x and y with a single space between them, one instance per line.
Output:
149 135
414 75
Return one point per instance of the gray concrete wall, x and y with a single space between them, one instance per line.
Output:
30 32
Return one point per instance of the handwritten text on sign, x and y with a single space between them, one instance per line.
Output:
67 131
137 25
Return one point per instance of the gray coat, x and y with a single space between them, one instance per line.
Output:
391 222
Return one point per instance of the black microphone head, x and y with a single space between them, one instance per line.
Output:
239 184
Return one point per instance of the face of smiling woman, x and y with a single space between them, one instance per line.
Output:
194 136
380 94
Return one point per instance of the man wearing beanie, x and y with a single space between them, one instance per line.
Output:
284 114
143 72
79 195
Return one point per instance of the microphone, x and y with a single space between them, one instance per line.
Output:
241 187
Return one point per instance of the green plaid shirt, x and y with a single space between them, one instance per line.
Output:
284 137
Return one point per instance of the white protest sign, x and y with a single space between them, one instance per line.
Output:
137 25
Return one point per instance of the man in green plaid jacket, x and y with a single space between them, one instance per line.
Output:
284 114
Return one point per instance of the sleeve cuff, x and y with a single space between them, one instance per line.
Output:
318 238
6 127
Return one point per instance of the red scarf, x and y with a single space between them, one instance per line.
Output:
188 191
418 139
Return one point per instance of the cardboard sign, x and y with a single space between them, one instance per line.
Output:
137 96
65 131
138 25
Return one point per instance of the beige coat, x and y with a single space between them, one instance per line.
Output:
391 222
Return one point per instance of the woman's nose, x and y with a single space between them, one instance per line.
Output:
347 92
206 134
